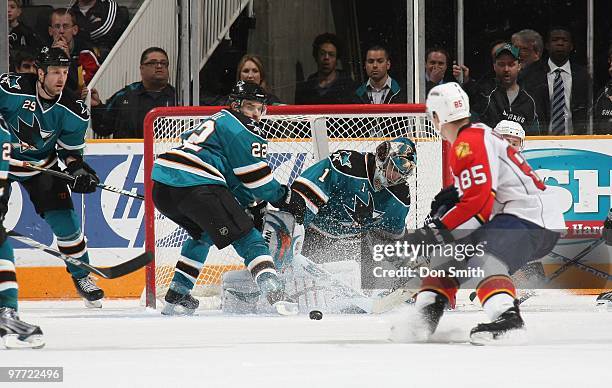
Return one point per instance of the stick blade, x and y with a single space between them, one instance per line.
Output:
127 267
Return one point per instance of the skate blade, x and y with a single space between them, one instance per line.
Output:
605 305
176 310
93 304
509 338
12 341
286 308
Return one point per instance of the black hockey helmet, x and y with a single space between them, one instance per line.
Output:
245 90
53 56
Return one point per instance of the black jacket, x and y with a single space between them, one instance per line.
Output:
536 83
339 92
602 111
104 22
123 114
522 110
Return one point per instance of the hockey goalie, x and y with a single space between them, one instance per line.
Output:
336 201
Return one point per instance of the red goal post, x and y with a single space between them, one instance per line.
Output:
299 135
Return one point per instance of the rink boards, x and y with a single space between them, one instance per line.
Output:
580 166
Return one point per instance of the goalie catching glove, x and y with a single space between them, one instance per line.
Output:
85 177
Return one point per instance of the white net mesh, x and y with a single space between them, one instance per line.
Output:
295 143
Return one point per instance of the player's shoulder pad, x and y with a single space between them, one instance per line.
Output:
18 83
74 104
246 122
401 193
349 162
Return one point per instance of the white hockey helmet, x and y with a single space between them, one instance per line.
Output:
511 128
449 102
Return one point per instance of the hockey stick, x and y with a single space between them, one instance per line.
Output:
565 266
70 178
106 272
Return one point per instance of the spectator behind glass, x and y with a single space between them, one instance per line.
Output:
20 35
602 111
123 114
479 91
328 85
22 61
251 68
574 79
508 101
436 64
63 30
103 20
530 45
380 88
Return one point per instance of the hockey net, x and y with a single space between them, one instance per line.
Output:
298 137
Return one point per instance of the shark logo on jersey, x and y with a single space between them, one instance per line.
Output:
84 108
343 157
363 213
26 133
11 80
254 127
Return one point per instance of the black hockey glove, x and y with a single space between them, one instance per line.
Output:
257 213
85 178
432 233
443 201
292 203
607 229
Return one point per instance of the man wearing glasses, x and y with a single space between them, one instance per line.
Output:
123 114
64 32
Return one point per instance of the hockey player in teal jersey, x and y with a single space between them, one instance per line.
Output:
206 184
14 332
350 193
48 123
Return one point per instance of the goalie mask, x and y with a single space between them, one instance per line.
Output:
395 161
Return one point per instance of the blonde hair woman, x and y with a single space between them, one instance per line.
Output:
250 68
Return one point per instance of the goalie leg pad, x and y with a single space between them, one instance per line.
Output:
283 235
240 293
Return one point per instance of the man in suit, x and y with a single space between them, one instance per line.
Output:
560 87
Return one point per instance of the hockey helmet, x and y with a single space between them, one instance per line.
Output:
53 56
395 162
449 102
245 90
511 128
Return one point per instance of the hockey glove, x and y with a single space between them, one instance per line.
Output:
85 178
607 229
292 203
443 201
432 233
257 213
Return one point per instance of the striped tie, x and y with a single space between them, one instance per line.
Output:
557 117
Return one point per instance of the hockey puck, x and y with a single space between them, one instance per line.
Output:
316 315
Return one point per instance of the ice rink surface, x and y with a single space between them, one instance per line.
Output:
126 345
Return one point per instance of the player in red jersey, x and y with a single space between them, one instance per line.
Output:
500 206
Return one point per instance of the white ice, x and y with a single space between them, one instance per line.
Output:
125 345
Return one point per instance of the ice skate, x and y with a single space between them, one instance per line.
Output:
17 334
604 301
88 290
508 328
179 304
272 288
